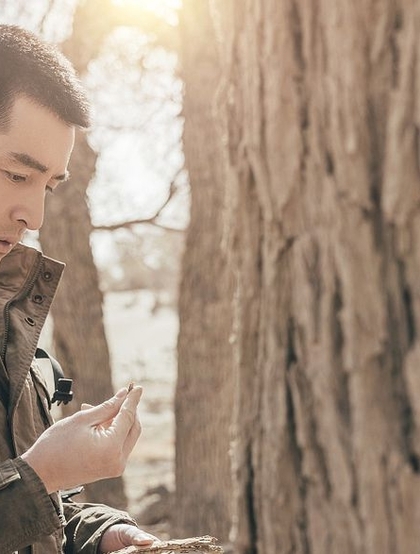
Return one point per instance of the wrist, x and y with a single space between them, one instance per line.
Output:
45 474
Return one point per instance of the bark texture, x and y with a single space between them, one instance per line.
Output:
205 376
320 105
194 545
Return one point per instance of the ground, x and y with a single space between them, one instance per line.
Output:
142 331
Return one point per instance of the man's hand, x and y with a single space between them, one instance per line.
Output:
90 445
121 535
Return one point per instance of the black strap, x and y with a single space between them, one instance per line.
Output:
63 386
40 353
63 393
4 386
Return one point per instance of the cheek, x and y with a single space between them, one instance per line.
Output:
7 195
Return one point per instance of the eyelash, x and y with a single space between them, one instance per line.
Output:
11 176
16 178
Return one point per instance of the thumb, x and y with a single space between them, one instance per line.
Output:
107 410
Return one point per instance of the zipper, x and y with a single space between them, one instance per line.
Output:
20 294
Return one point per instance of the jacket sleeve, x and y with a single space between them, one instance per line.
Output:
86 524
28 513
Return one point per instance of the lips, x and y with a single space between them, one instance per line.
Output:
7 242
9 238
5 246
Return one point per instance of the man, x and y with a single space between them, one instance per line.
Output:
41 104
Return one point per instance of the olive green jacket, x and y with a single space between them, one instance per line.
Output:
31 521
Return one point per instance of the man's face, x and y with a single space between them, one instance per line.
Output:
34 153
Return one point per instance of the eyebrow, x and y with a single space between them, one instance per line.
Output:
32 163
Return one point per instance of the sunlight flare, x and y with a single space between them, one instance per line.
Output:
157 6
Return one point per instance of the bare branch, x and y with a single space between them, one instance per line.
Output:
45 16
152 220
133 222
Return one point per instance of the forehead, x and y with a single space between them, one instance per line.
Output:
38 133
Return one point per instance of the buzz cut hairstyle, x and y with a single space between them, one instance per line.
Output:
38 70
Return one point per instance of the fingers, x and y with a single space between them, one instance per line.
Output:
107 410
141 538
120 535
118 418
119 414
130 535
132 437
127 415
101 438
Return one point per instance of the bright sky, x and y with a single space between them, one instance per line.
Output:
166 8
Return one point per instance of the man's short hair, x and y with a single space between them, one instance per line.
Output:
30 67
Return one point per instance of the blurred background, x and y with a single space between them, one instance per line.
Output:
241 234
133 182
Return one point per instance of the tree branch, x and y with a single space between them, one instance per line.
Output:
45 16
148 220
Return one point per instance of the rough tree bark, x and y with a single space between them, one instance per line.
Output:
205 378
322 114
193 545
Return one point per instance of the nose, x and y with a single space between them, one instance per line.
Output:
30 209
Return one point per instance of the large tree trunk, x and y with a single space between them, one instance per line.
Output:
205 377
323 122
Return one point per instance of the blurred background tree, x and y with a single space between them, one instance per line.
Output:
204 393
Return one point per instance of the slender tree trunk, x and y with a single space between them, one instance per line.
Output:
79 336
323 120
205 377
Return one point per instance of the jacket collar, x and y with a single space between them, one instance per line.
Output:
16 267
19 271
28 282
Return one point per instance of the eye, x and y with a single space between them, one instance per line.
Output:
49 190
15 177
